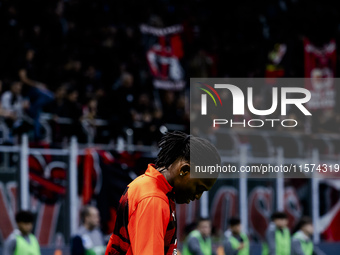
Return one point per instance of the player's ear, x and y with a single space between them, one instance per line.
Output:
184 169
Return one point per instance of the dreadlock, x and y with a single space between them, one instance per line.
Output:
178 145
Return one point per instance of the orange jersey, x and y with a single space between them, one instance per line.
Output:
146 221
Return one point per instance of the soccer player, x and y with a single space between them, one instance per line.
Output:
302 243
22 241
277 236
199 240
236 242
89 239
146 219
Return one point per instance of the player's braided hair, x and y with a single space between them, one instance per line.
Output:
175 145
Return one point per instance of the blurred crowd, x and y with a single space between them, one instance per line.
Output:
73 63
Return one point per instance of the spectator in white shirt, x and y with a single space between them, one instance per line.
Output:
13 105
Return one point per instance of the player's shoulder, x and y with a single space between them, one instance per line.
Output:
143 187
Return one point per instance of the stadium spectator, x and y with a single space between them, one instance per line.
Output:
88 239
236 242
37 91
302 243
28 71
22 241
13 102
90 109
169 107
55 108
91 82
124 97
201 65
88 118
13 110
144 120
57 104
277 236
71 110
199 240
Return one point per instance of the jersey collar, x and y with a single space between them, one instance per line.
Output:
152 172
